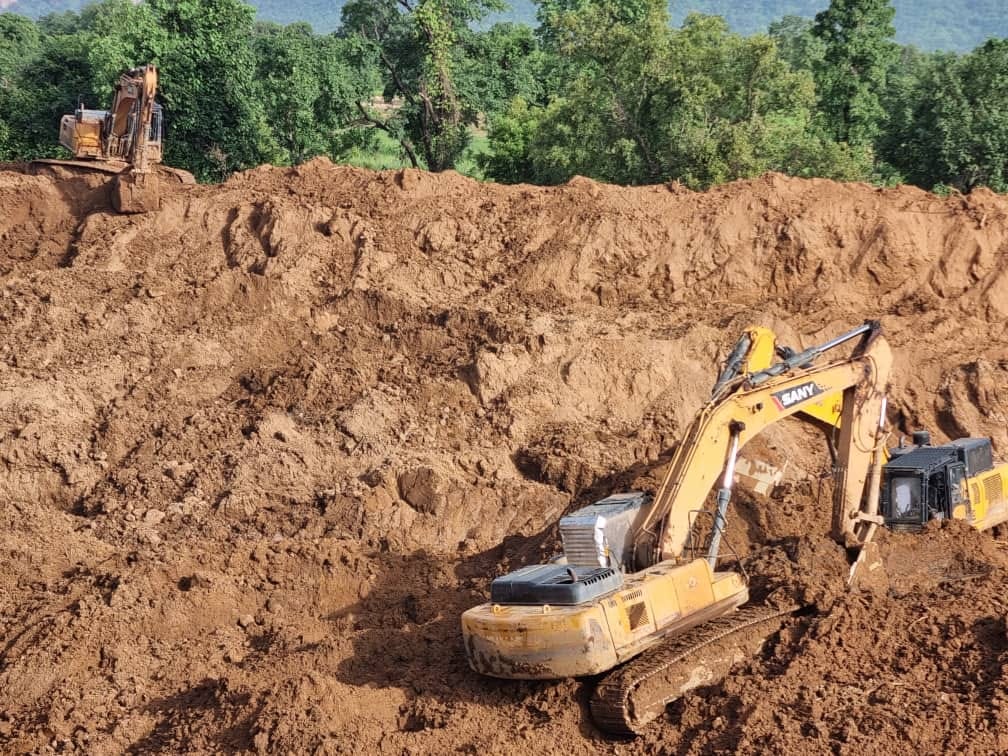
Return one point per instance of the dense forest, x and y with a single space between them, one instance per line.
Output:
610 89
927 24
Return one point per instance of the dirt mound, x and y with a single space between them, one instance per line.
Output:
261 448
920 666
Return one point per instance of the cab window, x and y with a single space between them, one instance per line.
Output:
906 498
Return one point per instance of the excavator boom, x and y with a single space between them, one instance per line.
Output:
747 405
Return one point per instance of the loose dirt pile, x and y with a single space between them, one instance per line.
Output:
260 449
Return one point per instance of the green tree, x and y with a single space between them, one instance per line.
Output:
900 100
20 42
502 63
555 16
984 161
646 103
514 152
797 43
78 58
119 34
215 122
19 45
309 89
557 20
208 86
957 134
857 35
422 49
43 91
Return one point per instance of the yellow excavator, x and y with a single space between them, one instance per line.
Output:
638 596
125 141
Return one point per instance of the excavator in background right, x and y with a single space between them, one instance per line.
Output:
958 481
920 482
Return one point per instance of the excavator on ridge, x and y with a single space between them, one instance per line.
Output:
638 596
125 141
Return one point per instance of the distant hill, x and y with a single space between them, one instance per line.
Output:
929 24
959 25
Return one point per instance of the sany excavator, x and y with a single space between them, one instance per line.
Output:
125 141
638 596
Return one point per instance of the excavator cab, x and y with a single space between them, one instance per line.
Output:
922 482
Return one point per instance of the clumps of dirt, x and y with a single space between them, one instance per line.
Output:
946 552
801 571
922 664
261 448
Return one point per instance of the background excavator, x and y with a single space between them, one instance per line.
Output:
638 596
125 141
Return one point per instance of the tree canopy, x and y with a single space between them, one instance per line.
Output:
858 51
608 89
643 102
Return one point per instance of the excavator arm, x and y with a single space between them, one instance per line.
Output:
129 122
743 406
136 189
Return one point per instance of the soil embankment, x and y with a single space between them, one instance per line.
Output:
260 449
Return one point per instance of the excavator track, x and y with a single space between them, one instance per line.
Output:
90 166
637 693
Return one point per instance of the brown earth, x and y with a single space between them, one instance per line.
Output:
260 449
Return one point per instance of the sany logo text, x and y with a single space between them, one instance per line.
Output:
797 395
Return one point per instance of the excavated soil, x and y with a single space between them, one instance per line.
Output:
260 449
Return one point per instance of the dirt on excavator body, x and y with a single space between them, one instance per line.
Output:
263 445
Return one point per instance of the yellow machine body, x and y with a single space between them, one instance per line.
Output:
959 480
665 590
630 579
125 141
83 137
549 642
986 499
128 134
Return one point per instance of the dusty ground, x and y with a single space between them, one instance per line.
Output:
260 449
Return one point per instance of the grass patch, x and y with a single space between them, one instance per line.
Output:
384 153
468 162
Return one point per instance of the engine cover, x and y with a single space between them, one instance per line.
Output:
554 584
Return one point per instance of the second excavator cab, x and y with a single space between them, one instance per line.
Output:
957 480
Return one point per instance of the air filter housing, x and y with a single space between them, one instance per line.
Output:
601 535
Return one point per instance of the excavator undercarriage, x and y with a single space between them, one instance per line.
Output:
636 694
